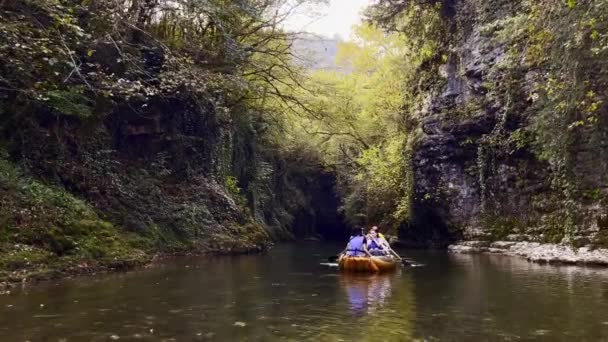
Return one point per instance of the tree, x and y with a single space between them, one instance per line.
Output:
357 122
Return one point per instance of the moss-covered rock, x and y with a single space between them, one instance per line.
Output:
46 229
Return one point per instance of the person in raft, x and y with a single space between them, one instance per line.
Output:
357 246
382 240
376 243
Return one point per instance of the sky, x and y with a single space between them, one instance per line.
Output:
328 20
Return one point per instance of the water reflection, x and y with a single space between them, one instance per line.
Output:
366 293
495 297
287 296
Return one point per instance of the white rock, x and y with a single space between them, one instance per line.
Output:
537 252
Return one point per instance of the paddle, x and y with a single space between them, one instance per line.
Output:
402 260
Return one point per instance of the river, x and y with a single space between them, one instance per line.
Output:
288 295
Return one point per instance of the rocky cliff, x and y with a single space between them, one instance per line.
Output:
498 158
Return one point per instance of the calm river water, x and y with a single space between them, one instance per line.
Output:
287 295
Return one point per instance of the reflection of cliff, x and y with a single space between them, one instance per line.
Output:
485 296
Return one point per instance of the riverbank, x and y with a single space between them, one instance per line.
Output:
49 232
536 251
67 268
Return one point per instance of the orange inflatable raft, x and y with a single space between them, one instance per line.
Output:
367 264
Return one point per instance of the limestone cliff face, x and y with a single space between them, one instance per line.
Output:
476 178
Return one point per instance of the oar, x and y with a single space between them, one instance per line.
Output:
403 261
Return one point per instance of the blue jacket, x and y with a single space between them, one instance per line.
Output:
355 246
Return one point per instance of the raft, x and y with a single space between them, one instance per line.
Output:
374 264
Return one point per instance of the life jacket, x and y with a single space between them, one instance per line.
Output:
377 245
355 246
374 245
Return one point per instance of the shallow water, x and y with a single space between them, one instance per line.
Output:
288 295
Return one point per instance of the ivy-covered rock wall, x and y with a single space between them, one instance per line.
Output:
514 144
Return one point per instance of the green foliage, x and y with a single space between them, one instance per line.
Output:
69 102
23 257
568 92
425 23
70 56
557 53
499 226
593 195
385 173
232 185
356 123
79 78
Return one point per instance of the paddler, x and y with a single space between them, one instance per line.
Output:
374 243
381 239
357 246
